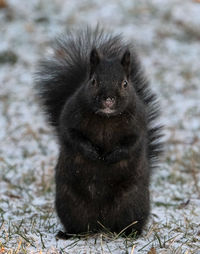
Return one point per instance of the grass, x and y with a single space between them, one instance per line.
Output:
38 221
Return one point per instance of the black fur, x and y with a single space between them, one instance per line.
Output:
95 94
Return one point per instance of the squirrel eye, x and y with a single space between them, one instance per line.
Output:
94 82
125 83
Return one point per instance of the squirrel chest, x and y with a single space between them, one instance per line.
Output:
106 132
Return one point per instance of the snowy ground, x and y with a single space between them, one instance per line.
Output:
167 36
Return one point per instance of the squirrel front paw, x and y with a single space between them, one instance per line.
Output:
116 155
91 152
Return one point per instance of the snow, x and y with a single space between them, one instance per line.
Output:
166 34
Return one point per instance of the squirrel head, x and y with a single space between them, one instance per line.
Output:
108 88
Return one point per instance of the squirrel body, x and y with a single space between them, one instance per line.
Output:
95 95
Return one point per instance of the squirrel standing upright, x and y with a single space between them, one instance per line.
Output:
95 95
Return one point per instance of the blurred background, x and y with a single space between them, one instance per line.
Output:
166 34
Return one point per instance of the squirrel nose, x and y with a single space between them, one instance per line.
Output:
109 102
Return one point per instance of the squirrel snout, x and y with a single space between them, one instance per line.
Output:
109 102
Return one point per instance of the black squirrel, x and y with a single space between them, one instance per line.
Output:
96 96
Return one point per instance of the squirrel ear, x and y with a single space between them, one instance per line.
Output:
125 61
94 60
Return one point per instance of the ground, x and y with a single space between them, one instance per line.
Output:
167 37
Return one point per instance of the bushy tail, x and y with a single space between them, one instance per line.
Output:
59 76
